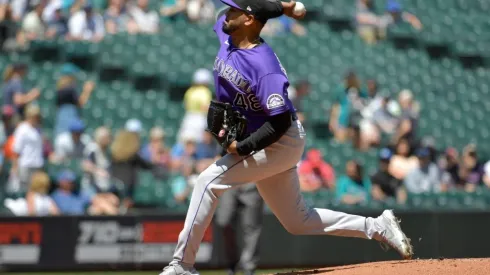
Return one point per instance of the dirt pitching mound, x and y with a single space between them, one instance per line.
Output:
412 267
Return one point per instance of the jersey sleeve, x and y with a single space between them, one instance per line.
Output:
271 92
222 37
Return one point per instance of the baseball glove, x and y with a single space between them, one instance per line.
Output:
225 124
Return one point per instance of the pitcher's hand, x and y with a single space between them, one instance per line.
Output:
288 8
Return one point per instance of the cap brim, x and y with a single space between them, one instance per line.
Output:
231 4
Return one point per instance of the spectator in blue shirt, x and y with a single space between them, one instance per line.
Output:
68 201
207 148
354 187
13 90
68 101
73 202
206 152
183 152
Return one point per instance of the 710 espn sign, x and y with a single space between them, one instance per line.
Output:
112 241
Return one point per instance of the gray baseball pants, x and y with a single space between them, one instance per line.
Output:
273 169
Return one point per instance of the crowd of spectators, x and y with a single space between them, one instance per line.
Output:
373 27
364 116
366 119
72 171
97 172
91 20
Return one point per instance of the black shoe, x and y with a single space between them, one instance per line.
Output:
231 272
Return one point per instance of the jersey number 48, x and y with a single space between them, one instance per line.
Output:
247 101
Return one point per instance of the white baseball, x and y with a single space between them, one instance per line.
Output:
299 9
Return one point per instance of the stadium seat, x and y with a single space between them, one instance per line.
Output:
422 201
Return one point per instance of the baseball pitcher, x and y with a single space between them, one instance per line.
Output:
254 120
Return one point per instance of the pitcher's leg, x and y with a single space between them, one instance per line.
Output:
282 194
229 171
199 214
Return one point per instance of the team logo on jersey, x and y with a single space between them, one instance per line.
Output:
275 101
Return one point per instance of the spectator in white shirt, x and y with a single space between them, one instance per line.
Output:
378 120
28 148
373 101
51 7
146 20
96 164
36 202
426 177
19 9
71 145
33 25
86 25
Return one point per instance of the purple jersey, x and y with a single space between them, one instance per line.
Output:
252 80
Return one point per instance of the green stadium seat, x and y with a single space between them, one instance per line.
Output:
375 205
451 199
422 201
339 9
